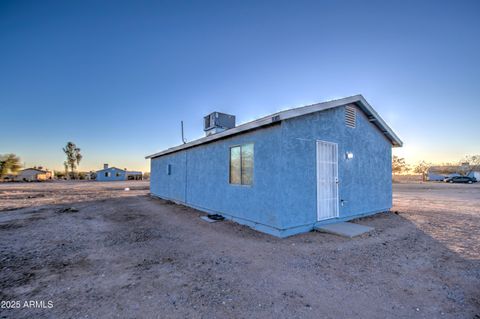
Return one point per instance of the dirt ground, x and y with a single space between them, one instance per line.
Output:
123 254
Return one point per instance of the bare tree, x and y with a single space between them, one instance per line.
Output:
73 157
398 165
9 163
422 168
473 164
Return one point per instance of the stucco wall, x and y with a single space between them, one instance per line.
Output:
283 194
365 184
113 175
299 136
171 186
200 177
31 175
365 180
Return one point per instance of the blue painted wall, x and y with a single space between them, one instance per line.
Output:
200 177
475 174
282 199
113 175
365 182
435 177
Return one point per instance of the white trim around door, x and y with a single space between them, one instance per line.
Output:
327 180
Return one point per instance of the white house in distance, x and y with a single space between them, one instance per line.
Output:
34 175
117 174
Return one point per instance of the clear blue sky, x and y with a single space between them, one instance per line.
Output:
117 77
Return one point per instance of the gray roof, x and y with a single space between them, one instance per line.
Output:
134 173
110 168
358 100
34 169
119 169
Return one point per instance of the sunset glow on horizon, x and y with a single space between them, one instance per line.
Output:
117 77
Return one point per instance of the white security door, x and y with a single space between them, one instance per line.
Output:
327 180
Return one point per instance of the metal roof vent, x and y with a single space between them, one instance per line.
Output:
217 122
350 116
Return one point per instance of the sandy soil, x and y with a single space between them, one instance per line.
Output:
124 254
19 195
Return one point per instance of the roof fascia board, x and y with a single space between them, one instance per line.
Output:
110 168
288 114
396 141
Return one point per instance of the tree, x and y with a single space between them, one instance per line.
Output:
78 157
9 163
65 166
473 163
73 157
60 174
422 168
398 165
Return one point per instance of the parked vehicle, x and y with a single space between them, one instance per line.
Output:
461 179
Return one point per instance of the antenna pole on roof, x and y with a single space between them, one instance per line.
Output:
183 138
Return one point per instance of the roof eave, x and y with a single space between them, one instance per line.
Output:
380 123
284 115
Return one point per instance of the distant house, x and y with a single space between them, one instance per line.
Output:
8 178
88 175
117 174
34 175
475 174
439 173
435 177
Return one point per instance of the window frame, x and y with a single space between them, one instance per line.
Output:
241 170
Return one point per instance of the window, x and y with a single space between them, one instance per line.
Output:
241 164
107 174
350 116
117 174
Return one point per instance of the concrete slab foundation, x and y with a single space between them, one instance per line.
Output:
344 229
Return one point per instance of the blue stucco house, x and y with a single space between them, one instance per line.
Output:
285 173
110 174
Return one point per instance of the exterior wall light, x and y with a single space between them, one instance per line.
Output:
349 155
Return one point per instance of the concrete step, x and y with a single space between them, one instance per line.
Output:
345 229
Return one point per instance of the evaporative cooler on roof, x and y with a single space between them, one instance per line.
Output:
217 122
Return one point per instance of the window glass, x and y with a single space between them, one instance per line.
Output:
235 163
241 164
247 164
